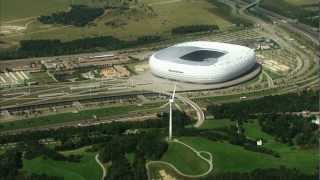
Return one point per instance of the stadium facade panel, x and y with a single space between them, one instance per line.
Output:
202 62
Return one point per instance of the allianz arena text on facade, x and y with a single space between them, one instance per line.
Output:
202 62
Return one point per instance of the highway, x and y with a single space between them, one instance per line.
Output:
303 29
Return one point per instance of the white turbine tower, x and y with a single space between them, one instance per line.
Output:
171 101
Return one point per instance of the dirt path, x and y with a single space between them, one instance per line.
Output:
104 172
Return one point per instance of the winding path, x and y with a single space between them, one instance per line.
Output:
104 172
198 153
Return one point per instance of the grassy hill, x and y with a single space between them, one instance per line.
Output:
86 169
186 160
233 158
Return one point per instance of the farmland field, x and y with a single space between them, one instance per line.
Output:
129 24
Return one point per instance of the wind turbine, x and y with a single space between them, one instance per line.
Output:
171 101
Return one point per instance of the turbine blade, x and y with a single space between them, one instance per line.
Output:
174 92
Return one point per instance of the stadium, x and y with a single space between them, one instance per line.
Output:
202 62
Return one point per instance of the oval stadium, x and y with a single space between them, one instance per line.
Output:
202 62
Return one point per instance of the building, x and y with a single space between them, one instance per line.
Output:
202 62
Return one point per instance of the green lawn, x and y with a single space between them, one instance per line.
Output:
228 157
216 123
291 156
86 169
69 117
302 2
184 159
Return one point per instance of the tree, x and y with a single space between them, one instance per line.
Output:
139 167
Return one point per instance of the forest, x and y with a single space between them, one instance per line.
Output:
55 47
292 102
78 15
194 29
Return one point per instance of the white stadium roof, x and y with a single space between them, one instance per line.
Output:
202 62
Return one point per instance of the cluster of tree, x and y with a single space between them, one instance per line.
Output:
33 149
147 145
293 102
78 15
55 47
11 163
264 174
237 136
194 29
290 129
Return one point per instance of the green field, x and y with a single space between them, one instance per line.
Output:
228 157
216 123
233 158
86 169
291 156
12 9
302 2
167 15
184 159
69 117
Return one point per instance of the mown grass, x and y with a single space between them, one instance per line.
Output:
290 156
233 158
86 169
184 159
216 123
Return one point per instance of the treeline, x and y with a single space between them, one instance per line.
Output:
34 149
147 145
75 137
42 48
291 129
194 29
79 15
293 102
264 174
